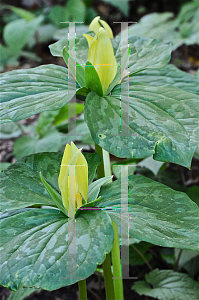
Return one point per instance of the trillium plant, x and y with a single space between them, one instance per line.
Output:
58 223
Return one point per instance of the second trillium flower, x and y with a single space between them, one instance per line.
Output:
73 179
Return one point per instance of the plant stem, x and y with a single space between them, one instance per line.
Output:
107 263
142 256
115 253
20 126
177 260
82 289
100 168
108 278
117 271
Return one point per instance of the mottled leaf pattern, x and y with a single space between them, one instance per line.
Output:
169 75
162 121
168 285
28 92
35 247
157 214
21 185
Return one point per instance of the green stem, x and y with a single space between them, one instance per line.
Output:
107 263
82 289
20 126
115 253
177 260
108 278
142 256
117 271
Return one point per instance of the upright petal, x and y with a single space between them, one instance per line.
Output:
97 23
101 55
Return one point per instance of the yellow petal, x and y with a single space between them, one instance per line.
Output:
89 39
107 28
101 55
95 26
63 176
82 176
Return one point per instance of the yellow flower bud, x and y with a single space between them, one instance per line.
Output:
73 178
101 56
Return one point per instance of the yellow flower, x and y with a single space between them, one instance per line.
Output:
101 56
73 179
95 26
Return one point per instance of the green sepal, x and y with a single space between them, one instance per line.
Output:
92 80
53 194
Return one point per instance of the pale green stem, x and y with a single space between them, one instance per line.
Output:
117 271
142 256
82 289
115 253
107 263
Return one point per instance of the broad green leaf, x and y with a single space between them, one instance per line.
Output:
21 185
28 92
157 214
80 51
122 5
22 293
4 165
35 246
168 285
162 121
170 75
17 33
143 53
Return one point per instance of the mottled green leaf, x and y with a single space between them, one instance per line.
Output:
35 247
170 75
162 121
143 53
168 285
21 185
157 214
28 92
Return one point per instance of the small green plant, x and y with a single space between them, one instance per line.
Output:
183 29
57 225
